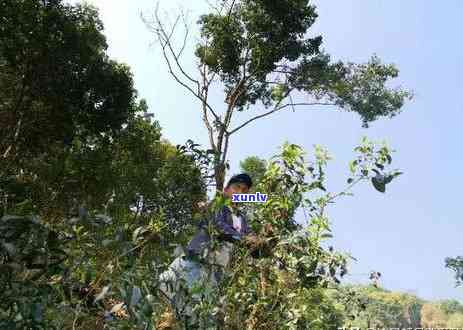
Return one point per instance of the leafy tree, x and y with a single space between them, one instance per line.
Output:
372 307
260 53
56 81
90 194
129 201
383 308
453 310
451 306
255 167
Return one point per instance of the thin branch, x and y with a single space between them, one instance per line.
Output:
272 83
15 138
230 10
283 71
161 31
171 71
345 191
18 125
225 149
164 40
187 32
237 91
209 129
292 102
235 95
205 91
219 11
275 110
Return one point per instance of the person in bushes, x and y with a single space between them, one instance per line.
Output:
192 268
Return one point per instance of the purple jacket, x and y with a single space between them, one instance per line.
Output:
223 222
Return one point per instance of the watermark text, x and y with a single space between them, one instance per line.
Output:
249 198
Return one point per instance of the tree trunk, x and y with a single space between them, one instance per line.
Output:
219 177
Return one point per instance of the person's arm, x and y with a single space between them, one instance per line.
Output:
260 245
226 230
250 238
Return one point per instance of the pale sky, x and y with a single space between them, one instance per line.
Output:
407 232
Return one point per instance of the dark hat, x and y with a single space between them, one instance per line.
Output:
240 178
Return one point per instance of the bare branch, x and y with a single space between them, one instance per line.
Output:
292 102
345 191
187 32
216 8
225 149
283 71
275 110
164 39
232 98
167 39
239 89
205 94
230 10
171 71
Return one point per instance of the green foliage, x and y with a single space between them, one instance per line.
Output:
255 167
94 203
56 78
279 92
451 306
288 285
371 164
260 52
90 195
456 264
29 251
250 26
372 307
358 88
113 231
260 49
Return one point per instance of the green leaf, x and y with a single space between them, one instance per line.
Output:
388 179
352 166
378 183
389 158
376 171
396 174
